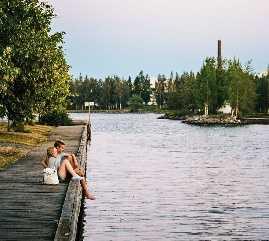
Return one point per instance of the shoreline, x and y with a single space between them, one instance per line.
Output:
125 111
217 120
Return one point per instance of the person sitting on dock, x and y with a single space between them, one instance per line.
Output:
65 170
60 145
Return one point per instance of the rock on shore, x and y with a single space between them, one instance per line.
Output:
212 120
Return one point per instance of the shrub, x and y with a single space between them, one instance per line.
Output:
55 118
176 115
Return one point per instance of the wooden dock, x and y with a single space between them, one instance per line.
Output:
30 210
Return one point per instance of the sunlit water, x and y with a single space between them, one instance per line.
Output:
164 180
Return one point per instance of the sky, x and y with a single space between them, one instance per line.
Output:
122 37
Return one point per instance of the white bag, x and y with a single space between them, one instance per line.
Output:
50 176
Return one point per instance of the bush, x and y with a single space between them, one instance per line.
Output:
55 118
176 115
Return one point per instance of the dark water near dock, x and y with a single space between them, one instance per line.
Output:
164 180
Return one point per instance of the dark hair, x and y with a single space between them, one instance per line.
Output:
58 143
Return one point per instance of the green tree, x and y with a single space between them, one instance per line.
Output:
142 87
130 84
109 96
119 92
206 86
106 93
42 79
242 92
187 92
160 88
180 95
127 92
262 93
146 89
7 74
77 93
174 101
135 103
222 84
177 82
94 91
138 84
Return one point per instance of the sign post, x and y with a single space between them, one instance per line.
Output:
89 104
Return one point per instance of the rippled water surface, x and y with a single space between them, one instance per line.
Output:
164 180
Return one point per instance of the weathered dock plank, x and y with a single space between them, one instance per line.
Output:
30 210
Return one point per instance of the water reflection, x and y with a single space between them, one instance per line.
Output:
164 180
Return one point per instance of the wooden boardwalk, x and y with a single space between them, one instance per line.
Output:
30 210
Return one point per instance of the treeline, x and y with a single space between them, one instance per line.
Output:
216 84
111 93
34 75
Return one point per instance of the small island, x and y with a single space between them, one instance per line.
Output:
217 120
224 120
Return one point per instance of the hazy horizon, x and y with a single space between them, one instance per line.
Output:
107 37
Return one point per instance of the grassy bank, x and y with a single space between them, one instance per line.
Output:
14 145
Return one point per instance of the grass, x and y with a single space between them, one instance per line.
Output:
14 145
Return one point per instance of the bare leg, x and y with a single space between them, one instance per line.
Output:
66 168
85 190
73 161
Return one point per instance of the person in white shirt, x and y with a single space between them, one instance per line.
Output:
60 145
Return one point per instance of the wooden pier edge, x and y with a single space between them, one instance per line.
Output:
68 223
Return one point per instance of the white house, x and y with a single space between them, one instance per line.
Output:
225 109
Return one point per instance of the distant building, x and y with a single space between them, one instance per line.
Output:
152 100
263 73
225 109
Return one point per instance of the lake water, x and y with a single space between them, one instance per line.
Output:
165 180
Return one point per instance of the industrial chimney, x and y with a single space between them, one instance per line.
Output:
219 54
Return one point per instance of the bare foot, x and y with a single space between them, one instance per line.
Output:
88 195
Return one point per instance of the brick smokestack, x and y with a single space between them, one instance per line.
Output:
219 54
